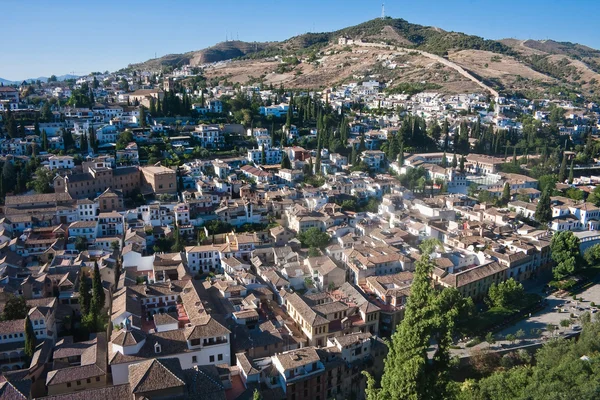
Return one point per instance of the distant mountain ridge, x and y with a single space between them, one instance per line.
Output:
41 78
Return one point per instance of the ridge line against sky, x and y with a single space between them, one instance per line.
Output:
70 36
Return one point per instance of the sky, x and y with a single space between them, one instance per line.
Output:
41 37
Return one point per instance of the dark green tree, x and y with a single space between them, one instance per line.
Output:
84 296
30 339
313 237
68 141
564 249
543 211
15 308
444 162
508 294
142 118
430 317
571 171
178 244
285 161
9 174
562 172
44 140
505 193
97 301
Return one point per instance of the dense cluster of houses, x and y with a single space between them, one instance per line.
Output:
238 302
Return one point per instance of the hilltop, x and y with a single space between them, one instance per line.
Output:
399 51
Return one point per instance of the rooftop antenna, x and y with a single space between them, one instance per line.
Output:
382 10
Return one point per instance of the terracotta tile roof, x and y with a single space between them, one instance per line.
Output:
106 393
156 374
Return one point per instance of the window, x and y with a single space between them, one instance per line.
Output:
220 357
211 359
78 383
97 379
89 380
68 384
194 359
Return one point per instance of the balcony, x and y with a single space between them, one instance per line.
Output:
214 342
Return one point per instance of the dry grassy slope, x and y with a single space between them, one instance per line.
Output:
584 72
556 52
341 66
506 70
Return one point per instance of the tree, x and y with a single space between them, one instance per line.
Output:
520 334
285 161
42 180
462 164
594 196
454 161
44 140
543 211
562 172
81 243
558 358
142 118
505 193
97 301
564 249
444 163
571 172
490 338
178 244
15 308
84 296
68 140
313 237
511 338
506 294
9 175
30 340
592 255
430 316
565 323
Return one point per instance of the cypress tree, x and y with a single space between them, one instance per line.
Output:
562 172
454 161
514 159
444 162
97 301
462 164
571 172
353 155
30 339
506 193
401 154
44 140
285 161
84 296
429 315
543 212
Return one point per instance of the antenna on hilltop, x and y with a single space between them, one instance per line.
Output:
382 10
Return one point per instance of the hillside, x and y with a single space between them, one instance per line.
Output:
386 50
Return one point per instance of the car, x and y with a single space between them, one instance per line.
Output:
576 327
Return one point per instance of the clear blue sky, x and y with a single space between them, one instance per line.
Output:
43 37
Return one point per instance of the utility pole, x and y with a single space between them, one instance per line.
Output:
382 10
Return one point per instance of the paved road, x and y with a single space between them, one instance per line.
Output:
541 319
